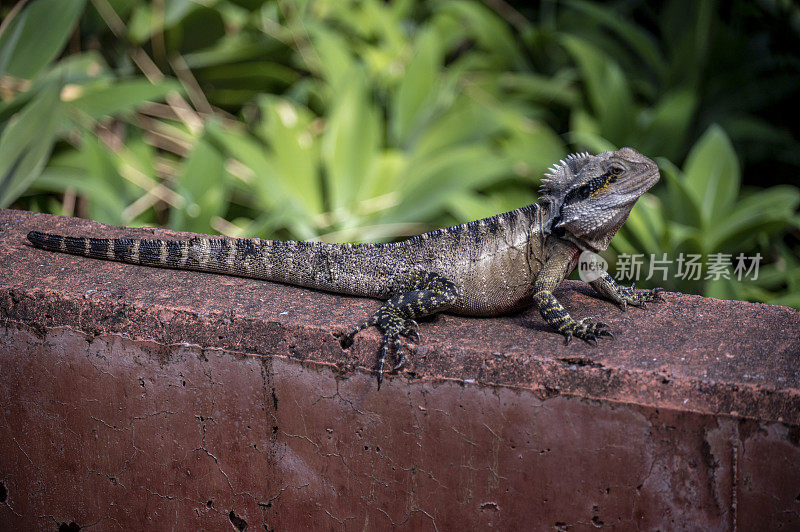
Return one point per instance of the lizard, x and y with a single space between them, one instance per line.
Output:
486 267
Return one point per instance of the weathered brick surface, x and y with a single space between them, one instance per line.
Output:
142 398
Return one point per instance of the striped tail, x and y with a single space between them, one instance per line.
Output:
358 269
204 254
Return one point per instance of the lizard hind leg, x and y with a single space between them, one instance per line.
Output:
421 293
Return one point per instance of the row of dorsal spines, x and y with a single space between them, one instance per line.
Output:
561 175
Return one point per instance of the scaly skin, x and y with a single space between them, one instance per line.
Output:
483 268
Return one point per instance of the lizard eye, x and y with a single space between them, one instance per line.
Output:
616 169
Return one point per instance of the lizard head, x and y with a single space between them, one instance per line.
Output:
589 197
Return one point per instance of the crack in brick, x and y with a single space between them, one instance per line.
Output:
340 521
23 451
211 455
408 516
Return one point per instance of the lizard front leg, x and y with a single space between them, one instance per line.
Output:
419 294
555 269
623 296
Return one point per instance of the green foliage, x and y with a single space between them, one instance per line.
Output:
25 50
346 120
26 142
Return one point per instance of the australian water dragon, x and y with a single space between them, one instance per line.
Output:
483 268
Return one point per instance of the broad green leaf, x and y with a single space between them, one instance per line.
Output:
232 48
487 28
681 205
789 299
287 128
684 238
623 244
26 142
665 134
37 35
509 197
100 99
350 141
532 147
10 39
332 58
432 180
752 129
585 132
263 178
176 10
236 74
607 89
756 213
379 191
639 39
76 69
109 193
645 226
145 21
203 183
465 121
260 166
139 153
415 97
711 175
104 196
9 109
58 179
140 24
559 89
690 28
469 205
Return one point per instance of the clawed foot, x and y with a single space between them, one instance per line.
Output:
391 336
638 298
586 329
410 330
393 327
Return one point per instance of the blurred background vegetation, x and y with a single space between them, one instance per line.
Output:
344 120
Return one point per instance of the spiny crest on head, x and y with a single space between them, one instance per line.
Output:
560 176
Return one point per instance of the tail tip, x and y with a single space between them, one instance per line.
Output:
35 237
